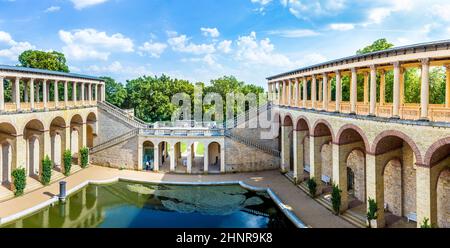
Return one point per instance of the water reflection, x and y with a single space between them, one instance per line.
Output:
126 204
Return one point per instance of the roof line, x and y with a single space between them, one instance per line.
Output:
48 72
424 44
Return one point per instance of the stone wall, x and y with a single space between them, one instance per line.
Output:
110 127
393 187
443 199
356 162
327 161
408 181
123 155
306 151
243 158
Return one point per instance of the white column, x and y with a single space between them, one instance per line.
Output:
74 92
313 91
44 94
289 92
205 158
38 96
222 158
189 159
82 93
2 94
425 89
296 92
90 93
25 91
396 91
17 93
172 158
32 94
338 91
56 93
373 90
447 86
353 91
66 94
325 92
305 92
103 90
156 158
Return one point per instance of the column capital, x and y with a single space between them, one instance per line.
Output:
396 64
373 67
425 61
337 72
353 70
325 75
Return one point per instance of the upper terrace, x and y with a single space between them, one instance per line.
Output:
310 87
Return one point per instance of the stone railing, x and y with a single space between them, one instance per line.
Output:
251 143
39 106
132 120
175 132
115 141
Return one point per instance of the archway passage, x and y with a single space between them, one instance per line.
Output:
443 199
8 136
287 145
148 156
164 156
91 130
396 184
34 136
58 142
301 150
214 157
320 150
76 137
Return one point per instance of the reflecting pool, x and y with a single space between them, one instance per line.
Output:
131 205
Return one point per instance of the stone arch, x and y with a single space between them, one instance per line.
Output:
91 129
287 120
214 156
148 155
347 133
58 141
437 152
8 134
76 135
288 142
356 161
302 124
322 128
34 135
377 149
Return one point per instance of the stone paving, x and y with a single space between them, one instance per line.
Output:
309 211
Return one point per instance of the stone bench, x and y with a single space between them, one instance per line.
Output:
412 217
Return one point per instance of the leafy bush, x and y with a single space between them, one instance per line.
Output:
425 223
336 199
67 162
372 213
312 186
20 181
84 156
46 170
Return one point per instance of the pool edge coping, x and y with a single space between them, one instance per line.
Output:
288 212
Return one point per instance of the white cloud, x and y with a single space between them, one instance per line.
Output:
52 9
208 59
211 32
154 49
294 33
13 48
117 67
442 11
81 4
307 9
183 44
85 44
225 46
262 2
342 26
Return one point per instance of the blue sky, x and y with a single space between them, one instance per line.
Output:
204 39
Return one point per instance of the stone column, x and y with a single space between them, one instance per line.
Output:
402 86
222 158
44 93
338 91
74 93
140 154
38 97
289 92
313 92
299 166
189 158
396 91
353 91
2 94
25 91
382 87
90 93
32 94
295 92
305 91
83 133
172 158
56 93
47 143
156 158
82 93
66 94
366 88
285 147
425 89
67 137
447 86
17 94
373 90
103 90
315 161
426 197
320 91
340 173
205 158
375 187
21 145
325 92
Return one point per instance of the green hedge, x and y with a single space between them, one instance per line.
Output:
46 170
84 156
312 186
67 162
20 181
336 199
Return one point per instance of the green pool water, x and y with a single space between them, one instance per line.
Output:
131 205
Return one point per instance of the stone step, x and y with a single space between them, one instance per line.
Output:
56 176
5 194
32 185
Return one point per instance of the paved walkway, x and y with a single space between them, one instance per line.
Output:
309 211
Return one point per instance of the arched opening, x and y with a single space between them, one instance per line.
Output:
301 142
91 130
34 136
163 156
7 140
443 199
148 156
287 148
398 166
214 157
321 168
356 179
57 136
76 136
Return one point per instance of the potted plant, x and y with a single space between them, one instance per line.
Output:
19 181
84 157
67 162
336 199
46 170
425 223
312 186
372 212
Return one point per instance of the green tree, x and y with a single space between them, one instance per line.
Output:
378 45
115 92
54 61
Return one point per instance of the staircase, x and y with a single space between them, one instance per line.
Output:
251 143
119 113
115 141
348 215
